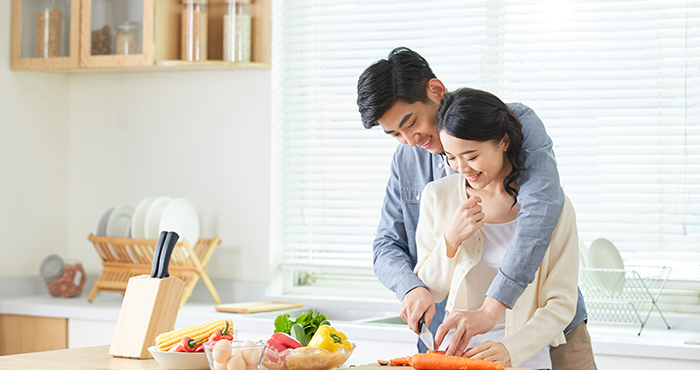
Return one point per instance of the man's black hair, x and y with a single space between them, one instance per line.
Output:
403 76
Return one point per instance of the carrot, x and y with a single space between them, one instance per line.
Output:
433 361
437 352
400 361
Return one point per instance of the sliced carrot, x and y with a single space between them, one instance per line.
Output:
400 361
433 361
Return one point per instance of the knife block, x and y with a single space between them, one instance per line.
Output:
149 308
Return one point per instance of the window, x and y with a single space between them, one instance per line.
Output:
617 84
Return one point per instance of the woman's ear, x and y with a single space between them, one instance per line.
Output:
505 142
436 90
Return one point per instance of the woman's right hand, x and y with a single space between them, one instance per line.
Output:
466 220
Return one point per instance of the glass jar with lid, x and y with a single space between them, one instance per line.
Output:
128 39
194 27
63 278
49 21
237 31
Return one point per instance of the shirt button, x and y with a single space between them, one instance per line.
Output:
417 197
440 165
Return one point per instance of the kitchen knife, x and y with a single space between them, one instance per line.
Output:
156 253
425 335
166 252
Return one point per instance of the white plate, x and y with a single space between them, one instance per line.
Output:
602 254
139 218
582 255
119 221
180 216
150 223
102 223
180 360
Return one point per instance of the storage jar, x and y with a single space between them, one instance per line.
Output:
237 31
194 30
63 278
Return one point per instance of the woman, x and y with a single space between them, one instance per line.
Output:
466 222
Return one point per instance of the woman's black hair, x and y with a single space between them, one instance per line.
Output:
471 114
402 76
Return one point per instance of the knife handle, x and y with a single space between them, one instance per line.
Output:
166 252
156 253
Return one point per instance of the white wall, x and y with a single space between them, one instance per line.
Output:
199 135
74 145
34 130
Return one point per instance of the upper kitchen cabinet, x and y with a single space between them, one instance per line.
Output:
124 35
45 34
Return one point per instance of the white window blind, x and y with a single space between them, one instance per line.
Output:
617 84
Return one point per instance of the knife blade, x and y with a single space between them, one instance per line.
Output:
425 335
166 252
156 253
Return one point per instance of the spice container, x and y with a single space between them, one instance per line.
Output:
63 278
48 32
127 40
237 31
194 30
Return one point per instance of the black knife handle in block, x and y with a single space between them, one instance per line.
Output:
166 252
156 253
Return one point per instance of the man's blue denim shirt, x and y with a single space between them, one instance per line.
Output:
540 198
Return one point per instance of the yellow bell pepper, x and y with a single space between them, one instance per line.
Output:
328 338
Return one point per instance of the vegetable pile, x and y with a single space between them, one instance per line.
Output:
308 342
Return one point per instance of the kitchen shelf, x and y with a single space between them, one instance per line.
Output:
623 295
123 258
160 39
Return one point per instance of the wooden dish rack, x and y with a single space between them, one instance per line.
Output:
123 258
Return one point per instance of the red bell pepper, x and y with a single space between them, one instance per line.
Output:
224 333
187 344
278 342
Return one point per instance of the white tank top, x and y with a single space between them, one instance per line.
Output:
496 241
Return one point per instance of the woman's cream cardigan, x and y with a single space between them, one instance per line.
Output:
543 310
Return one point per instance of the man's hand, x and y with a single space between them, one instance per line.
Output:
468 324
416 303
490 351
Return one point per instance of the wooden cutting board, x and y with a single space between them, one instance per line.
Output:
250 307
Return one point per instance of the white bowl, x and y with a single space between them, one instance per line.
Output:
180 360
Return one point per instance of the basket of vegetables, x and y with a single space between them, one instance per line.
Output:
307 343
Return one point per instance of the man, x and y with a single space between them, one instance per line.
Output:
402 95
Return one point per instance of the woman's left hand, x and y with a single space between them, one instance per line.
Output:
490 351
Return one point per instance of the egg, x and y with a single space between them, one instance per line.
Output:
235 363
219 365
221 351
250 355
235 350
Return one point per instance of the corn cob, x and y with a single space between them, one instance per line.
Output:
167 340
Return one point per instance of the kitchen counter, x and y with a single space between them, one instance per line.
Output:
612 344
91 358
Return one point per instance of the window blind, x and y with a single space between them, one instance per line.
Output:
616 83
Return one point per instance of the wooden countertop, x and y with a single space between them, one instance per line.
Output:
93 358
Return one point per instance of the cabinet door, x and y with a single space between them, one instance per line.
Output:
22 334
45 34
116 33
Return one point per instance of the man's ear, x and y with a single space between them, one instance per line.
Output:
436 90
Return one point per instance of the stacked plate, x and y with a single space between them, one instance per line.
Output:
151 216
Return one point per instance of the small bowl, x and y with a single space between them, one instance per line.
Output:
306 358
251 355
179 360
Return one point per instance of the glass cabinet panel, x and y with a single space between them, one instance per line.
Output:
45 28
115 27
